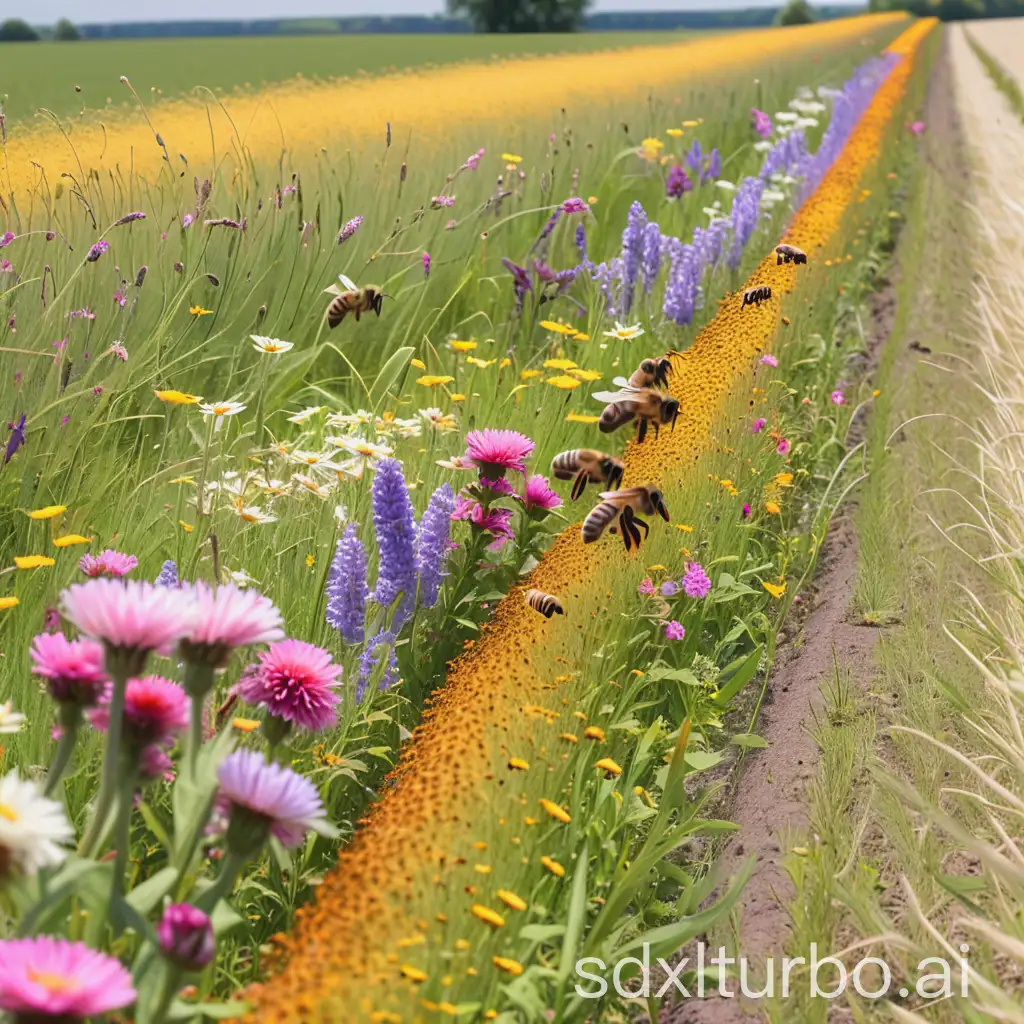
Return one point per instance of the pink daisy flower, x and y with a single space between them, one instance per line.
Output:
130 616
155 711
108 563
227 617
496 521
838 398
269 795
646 588
539 495
783 446
74 668
44 977
696 582
758 425
674 630
769 360
494 452
295 682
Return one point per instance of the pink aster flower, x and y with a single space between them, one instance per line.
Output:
155 711
838 398
758 425
783 446
768 360
296 682
270 795
917 127
108 563
128 615
574 205
495 521
539 495
494 452
186 937
500 488
227 617
44 978
74 668
646 588
674 630
696 582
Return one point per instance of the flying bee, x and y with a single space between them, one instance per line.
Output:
642 404
546 604
790 254
353 299
755 296
617 512
587 465
651 373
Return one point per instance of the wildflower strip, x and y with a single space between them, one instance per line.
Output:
341 953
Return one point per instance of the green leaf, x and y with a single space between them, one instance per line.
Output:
390 372
210 1011
575 919
749 739
702 760
145 897
468 624
735 676
224 918
541 932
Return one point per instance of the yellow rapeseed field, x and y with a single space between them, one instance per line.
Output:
343 943
303 118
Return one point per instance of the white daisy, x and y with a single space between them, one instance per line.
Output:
444 422
220 410
252 514
340 514
241 578
316 461
10 720
406 428
368 450
272 346
787 116
308 413
457 462
313 486
361 418
624 333
33 828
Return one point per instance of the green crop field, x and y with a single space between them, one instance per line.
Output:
46 74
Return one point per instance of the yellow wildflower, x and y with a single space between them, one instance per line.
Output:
503 963
594 732
505 362
177 397
550 325
482 363
772 507
553 866
456 397
462 346
784 479
32 561
430 381
462 944
482 869
47 513
562 382
488 916
510 899
559 364
245 724
8 602
187 527
414 973
876 393
579 417
585 375
775 589
70 538
580 336
311 560
556 812
530 374
418 363
690 124
591 200
517 763
512 158
606 764
674 132
568 737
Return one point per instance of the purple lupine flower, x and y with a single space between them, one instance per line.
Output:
433 543
714 241
678 182
168 575
695 157
96 250
16 440
581 242
574 205
760 122
632 253
396 540
682 293
712 168
696 582
369 660
521 282
349 229
426 263
129 217
746 210
6 238
346 587
650 262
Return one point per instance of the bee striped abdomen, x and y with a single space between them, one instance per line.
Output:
755 296
546 604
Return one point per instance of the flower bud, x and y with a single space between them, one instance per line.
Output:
186 937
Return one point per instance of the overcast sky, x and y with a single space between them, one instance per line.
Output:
41 12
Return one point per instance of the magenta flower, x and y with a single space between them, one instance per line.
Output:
439 202
758 425
677 182
426 263
494 452
646 588
6 238
838 398
473 160
118 351
674 630
760 122
187 221
96 251
497 522
108 563
120 298
296 682
155 763
574 205
917 127
539 495
128 615
155 711
259 798
185 935
696 582
746 511
44 978
500 488
227 617
73 668
783 446
768 360
350 228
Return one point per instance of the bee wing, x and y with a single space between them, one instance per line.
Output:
628 492
622 382
626 394
349 284
333 290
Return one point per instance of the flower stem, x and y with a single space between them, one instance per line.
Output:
71 716
204 469
221 888
169 989
93 837
123 827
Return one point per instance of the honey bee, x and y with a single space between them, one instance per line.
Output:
587 465
353 299
651 373
642 404
755 296
546 604
790 254
617 512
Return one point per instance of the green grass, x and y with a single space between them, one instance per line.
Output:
46 74
1004 81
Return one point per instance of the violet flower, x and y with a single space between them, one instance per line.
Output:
346 587
632 252
396 538
650 262
678 182
433 543
426 263
128 218
16 440
168 575
760 122
96 250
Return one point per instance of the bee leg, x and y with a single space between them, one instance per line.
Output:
624 528
357 316
579 485
778 262
615 477
675 416
641 432
634 522
657 429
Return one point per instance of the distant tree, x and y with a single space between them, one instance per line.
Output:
14 30
796 12
522 15
65 32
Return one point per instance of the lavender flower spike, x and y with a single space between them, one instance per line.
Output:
650 264
433 542
347 589
350 228
632 251
168 576
396 536
369 660
129 217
